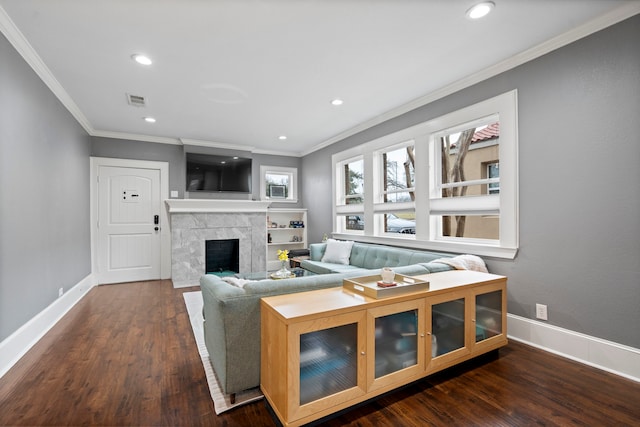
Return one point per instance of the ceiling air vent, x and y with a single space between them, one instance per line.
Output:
136 100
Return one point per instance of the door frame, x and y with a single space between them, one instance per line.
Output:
165 232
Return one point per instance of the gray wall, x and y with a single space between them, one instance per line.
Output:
175 156
44 195
579 135
139 150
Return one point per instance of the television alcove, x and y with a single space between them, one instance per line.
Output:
216 173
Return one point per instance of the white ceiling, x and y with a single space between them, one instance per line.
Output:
240 73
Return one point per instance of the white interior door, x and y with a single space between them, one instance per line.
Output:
129 205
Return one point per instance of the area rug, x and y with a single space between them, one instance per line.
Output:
221 402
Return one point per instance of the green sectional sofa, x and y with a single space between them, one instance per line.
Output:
232 313
367 256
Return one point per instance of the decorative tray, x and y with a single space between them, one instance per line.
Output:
369 285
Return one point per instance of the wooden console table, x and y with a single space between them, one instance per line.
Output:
326 350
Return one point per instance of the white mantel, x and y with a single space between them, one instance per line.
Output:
214 205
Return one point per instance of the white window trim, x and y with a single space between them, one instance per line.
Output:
505 106
293 183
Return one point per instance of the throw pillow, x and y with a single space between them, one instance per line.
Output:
337 252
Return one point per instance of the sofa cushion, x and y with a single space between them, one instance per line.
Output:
337 252
378 257
320 267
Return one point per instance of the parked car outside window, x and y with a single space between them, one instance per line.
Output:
400 225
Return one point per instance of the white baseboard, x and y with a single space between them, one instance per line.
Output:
17 344
602 354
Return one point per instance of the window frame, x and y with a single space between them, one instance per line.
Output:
292 197
381 208
423 135
341 208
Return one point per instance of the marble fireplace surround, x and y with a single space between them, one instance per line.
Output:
193 221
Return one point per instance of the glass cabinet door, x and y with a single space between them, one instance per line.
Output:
396 338
447 327
488 315
328 362
396 345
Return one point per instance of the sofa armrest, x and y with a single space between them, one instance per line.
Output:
232 335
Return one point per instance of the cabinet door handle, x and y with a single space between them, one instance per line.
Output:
362 353
428 333
421 335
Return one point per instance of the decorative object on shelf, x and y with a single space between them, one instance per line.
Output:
296 224
269 238
324 237
387 275
283 273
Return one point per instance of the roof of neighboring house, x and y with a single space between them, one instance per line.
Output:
490 132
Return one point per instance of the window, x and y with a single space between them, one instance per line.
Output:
395 210
493 172
448 184
353 182
461 180
278 183
349 174
398 171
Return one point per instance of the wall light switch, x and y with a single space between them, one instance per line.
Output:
174 193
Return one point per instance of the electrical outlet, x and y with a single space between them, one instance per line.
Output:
541 311
60 292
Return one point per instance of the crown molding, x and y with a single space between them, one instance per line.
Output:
213 144
24 48
136 137
278 153
619 14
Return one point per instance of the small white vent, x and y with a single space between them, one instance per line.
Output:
136 100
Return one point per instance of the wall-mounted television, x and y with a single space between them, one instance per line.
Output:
215 173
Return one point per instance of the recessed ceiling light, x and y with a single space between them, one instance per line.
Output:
149 120
337 101
141 59
282 137
235 157
480 10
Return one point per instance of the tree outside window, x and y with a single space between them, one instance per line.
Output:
469 167
354 182
398 187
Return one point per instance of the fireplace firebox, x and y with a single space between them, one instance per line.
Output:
222 257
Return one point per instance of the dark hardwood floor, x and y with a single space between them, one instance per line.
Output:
125 356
